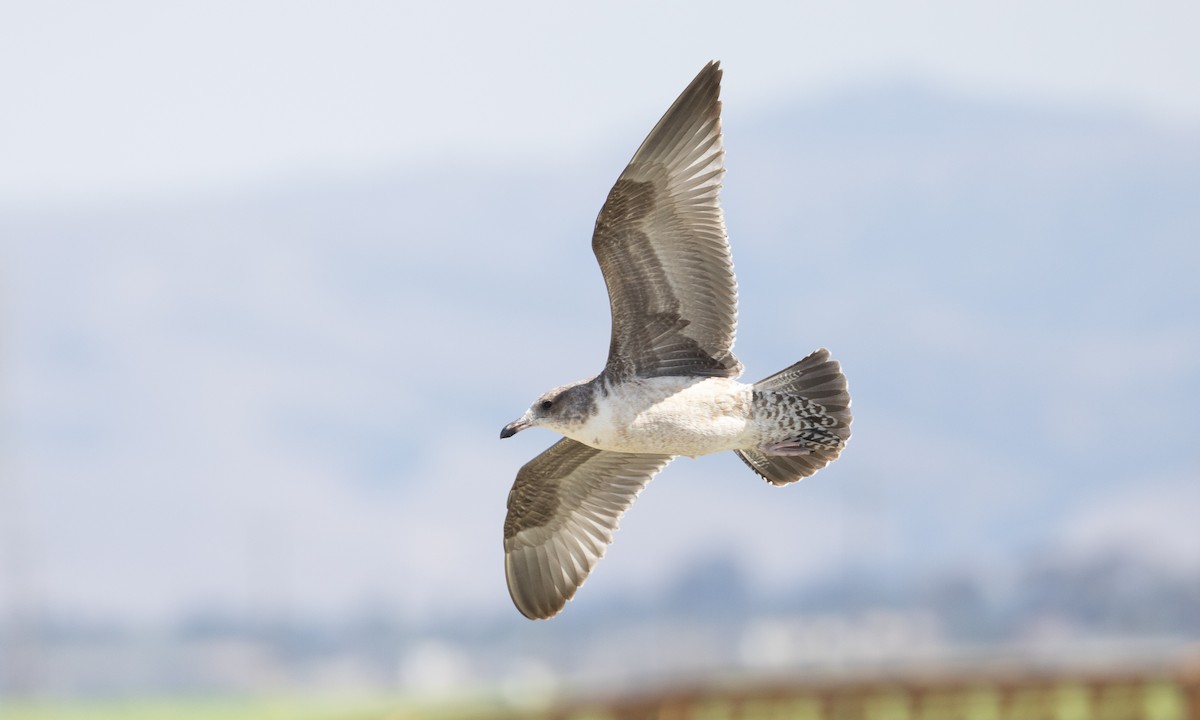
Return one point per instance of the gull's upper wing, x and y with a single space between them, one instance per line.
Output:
562 512
660 239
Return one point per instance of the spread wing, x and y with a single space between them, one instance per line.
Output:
660 240
562 512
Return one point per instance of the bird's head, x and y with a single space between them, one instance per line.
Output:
559 409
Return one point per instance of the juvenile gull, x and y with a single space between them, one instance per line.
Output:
670 384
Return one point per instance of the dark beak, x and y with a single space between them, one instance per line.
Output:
513 428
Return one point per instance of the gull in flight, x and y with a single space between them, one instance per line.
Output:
670 384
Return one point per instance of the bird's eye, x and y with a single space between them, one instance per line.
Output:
547 404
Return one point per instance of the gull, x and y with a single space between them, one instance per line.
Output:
670 385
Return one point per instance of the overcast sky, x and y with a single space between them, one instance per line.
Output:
128 99
181 370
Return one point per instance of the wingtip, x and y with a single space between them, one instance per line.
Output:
708 77
711 70
532 593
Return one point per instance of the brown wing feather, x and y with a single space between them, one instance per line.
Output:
661 244
562 511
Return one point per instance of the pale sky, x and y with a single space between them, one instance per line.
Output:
103 101
174 371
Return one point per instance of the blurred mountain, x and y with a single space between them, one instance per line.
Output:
286 403
1108 611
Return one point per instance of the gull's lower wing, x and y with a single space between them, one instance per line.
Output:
562 511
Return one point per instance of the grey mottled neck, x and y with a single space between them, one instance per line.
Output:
578 402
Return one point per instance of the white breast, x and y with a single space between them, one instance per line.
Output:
675 416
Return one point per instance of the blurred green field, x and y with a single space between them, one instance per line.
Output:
1123 697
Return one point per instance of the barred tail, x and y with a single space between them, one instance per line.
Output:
813 395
